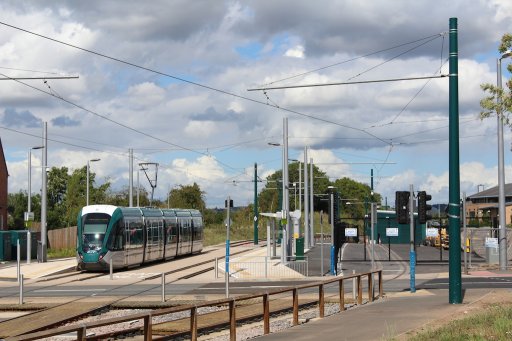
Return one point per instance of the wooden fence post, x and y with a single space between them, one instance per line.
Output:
295 307
341 289
232 320
321 304
266 314
193 323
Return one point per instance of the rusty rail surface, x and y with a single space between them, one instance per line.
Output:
81 329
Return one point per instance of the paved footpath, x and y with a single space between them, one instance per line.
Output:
384 319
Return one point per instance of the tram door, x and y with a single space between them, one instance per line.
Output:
134 241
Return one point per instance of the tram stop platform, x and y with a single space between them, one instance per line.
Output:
36 270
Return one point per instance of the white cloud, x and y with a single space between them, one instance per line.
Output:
295 52
198 42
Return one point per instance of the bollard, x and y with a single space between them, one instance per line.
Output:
21 289
111 269
18 258
163 286
29 247
354 285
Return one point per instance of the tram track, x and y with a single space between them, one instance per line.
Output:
84 275
77 309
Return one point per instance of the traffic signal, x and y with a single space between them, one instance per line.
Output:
402 206
423 207
335 207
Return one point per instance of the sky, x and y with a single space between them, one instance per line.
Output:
170 80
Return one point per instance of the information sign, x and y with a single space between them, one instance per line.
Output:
432 232
491 242
350 232
391 231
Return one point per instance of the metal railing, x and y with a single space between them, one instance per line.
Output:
231 307
264 267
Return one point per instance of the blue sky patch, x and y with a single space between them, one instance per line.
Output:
250 51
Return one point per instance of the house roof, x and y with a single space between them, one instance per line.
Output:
492 192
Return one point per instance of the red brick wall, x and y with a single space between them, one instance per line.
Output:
3 189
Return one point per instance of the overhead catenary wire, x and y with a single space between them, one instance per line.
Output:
181 79
116 122
211 88
355 58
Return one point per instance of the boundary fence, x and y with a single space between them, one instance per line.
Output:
81 329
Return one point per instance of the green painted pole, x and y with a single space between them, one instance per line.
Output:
255 204
455 280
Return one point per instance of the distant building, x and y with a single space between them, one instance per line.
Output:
483 206
4 174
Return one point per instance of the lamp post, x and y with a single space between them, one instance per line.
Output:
501 171
87 190
286 240
29 203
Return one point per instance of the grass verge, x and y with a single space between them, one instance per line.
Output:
61 253
494 323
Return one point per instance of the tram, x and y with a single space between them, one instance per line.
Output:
131 236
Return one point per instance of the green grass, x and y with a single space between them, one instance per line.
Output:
216 233
495 323
61 253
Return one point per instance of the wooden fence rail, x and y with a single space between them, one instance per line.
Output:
231 303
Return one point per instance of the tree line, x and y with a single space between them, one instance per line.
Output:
67 195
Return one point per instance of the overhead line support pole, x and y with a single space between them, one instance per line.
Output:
455 280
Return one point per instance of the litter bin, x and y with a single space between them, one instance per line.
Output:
20 236
299 248
5 246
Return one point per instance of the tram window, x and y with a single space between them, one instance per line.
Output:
116 242
134 228
95 226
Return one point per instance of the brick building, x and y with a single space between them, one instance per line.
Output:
483 206
4 174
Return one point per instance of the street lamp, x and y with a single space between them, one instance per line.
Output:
29 203
87 191
501 171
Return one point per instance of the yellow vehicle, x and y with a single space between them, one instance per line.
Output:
441 240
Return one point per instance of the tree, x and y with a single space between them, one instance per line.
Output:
270 197
76 189
213 216
16 206
57 186
358 195
121 198
490 103
67 195
189 196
